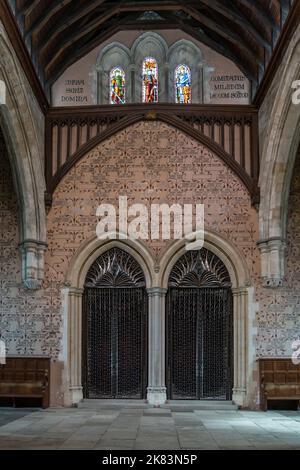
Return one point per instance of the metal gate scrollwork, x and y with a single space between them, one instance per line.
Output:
199 328
115 328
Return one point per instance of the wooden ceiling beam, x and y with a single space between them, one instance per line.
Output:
221 31
53 8
259 12
75 36
237 17
29 6
73 54
75 51
111 8
79 25
47 48
222 47
9 20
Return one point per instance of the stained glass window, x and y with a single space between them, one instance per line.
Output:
117 86
150 81
183 84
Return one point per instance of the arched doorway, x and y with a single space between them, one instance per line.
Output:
115 328
199 328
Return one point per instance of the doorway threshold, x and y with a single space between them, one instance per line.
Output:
202 405
113 404
172 405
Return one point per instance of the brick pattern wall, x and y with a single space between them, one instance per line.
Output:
279 317
30 321
150 162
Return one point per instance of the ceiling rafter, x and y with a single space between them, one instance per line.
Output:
221 46
258 11
77 34
80 32
115 28
109 9
29 6
232 36
59 32
237 17
53 8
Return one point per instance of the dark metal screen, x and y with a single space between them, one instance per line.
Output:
199 329
115 328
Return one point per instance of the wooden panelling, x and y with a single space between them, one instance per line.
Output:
26 377
231 132
279 380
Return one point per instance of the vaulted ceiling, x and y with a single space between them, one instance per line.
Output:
59 32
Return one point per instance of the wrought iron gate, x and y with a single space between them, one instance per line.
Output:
199 329
115 328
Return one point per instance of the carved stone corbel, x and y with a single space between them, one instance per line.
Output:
272 261
32 252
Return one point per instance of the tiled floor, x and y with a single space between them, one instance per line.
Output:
148 429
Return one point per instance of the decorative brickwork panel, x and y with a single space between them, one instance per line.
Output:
150 162
279 315
30 322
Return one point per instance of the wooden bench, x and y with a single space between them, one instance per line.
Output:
25 377
279 380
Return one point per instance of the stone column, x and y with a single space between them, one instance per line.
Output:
168 95
156 392
240 328
200 85
32 252
207 73
272 261
102 87
132 96
74 347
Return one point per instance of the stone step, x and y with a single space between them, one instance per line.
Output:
194 405
113 404
172 405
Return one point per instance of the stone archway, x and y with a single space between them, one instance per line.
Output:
199 329
25 148
279 149
157 276
243 307
114 327
72 304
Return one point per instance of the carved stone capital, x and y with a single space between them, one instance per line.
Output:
32 252
157 292
272 261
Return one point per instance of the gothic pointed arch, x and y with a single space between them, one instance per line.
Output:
280 141
184 52
99 264
220 264
199 326
152 45
25 147
113 56
199 269
114 327
115 268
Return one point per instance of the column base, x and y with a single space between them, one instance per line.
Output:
239 397
75 396
156 396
